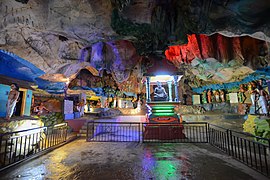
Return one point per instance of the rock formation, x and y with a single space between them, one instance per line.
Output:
116 35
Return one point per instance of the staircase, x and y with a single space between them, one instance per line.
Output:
162 112
83 130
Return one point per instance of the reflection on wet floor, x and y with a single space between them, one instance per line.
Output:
110 161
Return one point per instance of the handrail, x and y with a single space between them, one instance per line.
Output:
238 132
43 127
16 148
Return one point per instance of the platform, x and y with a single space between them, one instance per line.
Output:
164 132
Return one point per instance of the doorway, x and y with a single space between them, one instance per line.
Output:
18 107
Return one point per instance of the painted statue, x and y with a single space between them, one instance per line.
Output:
217 97
12 100
204 97
209 96
160 93
241 93
222 95
252 88
263 100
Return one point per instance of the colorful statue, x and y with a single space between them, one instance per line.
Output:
217 98
209 96
222 95
263 100
253 92
241 93
204 97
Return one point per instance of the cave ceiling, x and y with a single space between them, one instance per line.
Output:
206 39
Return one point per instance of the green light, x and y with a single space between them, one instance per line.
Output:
163 110
166 169
163 114
163 107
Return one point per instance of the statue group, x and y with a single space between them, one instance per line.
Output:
254 91
210 96
259 97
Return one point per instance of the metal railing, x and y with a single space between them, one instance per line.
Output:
193 132
244 147
241 146
113 132
146 132
20 145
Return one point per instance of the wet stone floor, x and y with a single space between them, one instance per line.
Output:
127 161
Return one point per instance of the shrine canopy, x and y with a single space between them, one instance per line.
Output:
13 66
162 71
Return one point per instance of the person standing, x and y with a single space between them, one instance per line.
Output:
12 100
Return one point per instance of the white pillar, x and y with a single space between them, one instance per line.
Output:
176 88
170 90
148 99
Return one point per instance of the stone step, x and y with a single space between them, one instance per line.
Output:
81 135
84 127
83 131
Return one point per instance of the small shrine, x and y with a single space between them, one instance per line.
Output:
162 86
163 100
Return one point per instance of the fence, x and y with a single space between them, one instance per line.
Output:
193 132
19 145
245 148
250 150
113 132
146 132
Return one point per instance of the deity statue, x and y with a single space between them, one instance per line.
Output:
260 82
209 96
241 93
263 98
217 98
204 97
222 95
159 93
252 88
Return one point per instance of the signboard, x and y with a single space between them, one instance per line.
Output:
68 107
233 97
196 99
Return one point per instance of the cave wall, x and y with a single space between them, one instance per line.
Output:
246 50
51 34
172 20
65 36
